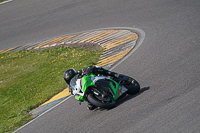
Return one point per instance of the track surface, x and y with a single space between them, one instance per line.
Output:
168 61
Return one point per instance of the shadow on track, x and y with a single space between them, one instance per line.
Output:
128 97
125 98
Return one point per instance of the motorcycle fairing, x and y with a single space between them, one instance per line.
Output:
92 80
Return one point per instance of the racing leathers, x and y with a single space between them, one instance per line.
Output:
97 70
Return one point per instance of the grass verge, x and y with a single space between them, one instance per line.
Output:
2 0
29 78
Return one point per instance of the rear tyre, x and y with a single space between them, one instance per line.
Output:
92 98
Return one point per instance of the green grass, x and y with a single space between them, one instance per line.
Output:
29 78
2 0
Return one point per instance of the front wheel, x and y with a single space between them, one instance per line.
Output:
133 86
95 100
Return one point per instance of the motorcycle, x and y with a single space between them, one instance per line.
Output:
102 91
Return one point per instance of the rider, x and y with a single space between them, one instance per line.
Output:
70 73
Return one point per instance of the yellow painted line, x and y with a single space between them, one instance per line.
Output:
120 41
65 38
49 42
107 46
99 36
106 34
60 95
92 37
113 58
56 40
116 56
4 51
103 62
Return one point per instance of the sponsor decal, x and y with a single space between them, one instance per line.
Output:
118 91
70 72
66 76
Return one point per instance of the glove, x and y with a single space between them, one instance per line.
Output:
70 90
116 75
79 72
113 74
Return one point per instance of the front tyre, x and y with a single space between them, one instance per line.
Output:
133 87
93 99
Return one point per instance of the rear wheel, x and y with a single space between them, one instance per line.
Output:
104 101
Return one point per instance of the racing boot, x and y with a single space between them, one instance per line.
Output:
91 107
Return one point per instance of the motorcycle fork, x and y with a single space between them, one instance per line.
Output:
98 93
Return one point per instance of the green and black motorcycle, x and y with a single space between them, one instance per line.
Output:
102 91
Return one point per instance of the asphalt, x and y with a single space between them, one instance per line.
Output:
117 43
167 61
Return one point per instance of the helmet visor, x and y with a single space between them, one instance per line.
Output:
73 81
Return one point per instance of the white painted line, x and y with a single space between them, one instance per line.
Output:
42 114
83 36
139 42
4 2
113 36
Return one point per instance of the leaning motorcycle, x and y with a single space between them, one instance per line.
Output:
102 91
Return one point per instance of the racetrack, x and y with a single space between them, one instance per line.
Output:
167 61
